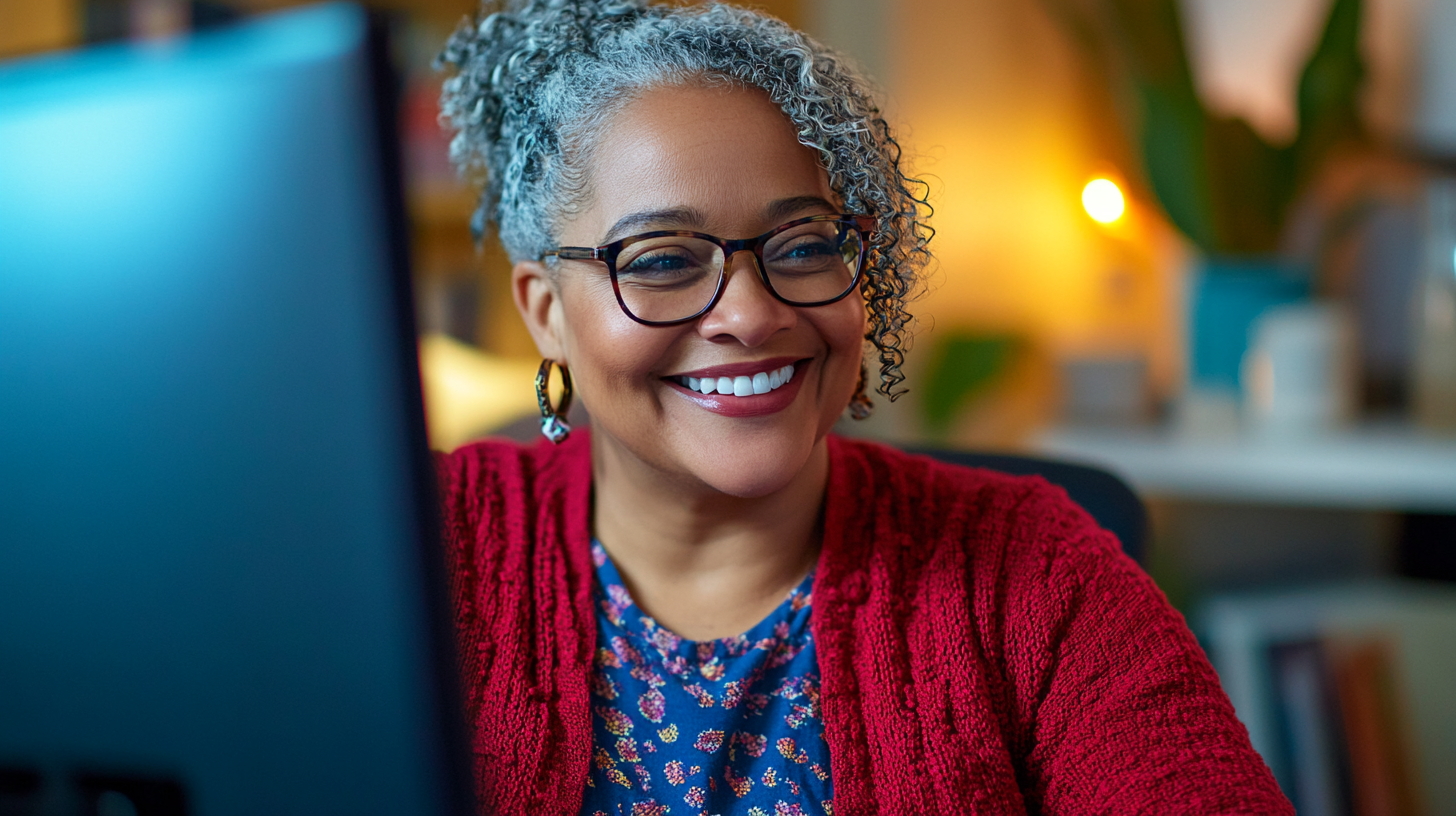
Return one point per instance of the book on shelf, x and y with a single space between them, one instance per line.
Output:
1373 721
1343 732
1314 763
1346 692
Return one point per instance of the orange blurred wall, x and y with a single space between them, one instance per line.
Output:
29 26
998 114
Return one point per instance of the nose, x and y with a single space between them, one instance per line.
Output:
747 312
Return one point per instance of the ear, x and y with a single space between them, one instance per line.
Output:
539 303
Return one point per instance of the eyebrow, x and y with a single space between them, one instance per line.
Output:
673 218
693 218
781 210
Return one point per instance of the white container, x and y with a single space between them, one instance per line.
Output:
1298 374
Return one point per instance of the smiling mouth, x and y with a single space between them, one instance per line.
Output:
741 386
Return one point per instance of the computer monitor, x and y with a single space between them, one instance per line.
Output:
220 584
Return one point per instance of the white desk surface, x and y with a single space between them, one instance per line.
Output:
1377 467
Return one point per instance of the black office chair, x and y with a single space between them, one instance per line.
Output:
1109 499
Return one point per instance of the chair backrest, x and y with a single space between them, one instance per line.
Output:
1109 499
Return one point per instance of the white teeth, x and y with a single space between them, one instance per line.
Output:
742 386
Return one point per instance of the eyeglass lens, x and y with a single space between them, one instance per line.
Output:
674 277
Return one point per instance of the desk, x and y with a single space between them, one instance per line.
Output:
1372 467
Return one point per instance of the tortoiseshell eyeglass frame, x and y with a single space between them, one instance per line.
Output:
608 253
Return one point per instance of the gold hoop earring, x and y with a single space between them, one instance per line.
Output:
860 406
553 419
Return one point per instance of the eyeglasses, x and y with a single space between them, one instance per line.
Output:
673 276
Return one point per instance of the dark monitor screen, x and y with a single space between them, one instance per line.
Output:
220 589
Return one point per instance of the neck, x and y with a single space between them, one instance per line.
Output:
703 563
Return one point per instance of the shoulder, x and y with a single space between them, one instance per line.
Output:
503 500
507 512
504 470
1013 548
878 467
936 504
1097 684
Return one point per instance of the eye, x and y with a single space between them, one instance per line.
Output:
812 247
667 262
659 263
805 254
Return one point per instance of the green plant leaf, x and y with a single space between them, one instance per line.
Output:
1328 89
1251 186
1173 132
1221 184
961 367
1173 126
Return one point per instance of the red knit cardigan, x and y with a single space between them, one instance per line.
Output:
984 646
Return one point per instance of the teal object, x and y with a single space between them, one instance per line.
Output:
1227 297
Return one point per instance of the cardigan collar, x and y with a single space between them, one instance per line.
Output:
841 586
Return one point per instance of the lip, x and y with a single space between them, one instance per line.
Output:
742 407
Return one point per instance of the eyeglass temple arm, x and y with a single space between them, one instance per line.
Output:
574 254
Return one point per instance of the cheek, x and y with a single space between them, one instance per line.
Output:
608 352
844 327
587 308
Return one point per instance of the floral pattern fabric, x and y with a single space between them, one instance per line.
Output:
729 726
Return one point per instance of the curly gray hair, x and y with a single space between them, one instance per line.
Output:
535 79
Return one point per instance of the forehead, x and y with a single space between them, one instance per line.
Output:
725 153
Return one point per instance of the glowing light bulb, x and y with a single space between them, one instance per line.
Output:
1103 201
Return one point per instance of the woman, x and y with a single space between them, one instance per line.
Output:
706 603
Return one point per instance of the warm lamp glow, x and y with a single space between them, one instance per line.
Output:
469 393
1103 201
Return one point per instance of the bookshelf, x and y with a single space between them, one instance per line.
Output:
1412 623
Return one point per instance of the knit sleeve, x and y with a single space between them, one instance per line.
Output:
459 536
1117 706
454 512
515 524
482 519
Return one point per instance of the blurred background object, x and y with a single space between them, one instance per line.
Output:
1226 186
1297 371
1345 691
469 393
961 368
1165 228
31 26
1434 371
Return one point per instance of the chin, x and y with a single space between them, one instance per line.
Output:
757 468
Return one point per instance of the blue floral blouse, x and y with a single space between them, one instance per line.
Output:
729 726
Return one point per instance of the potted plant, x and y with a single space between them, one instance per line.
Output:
1226 188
